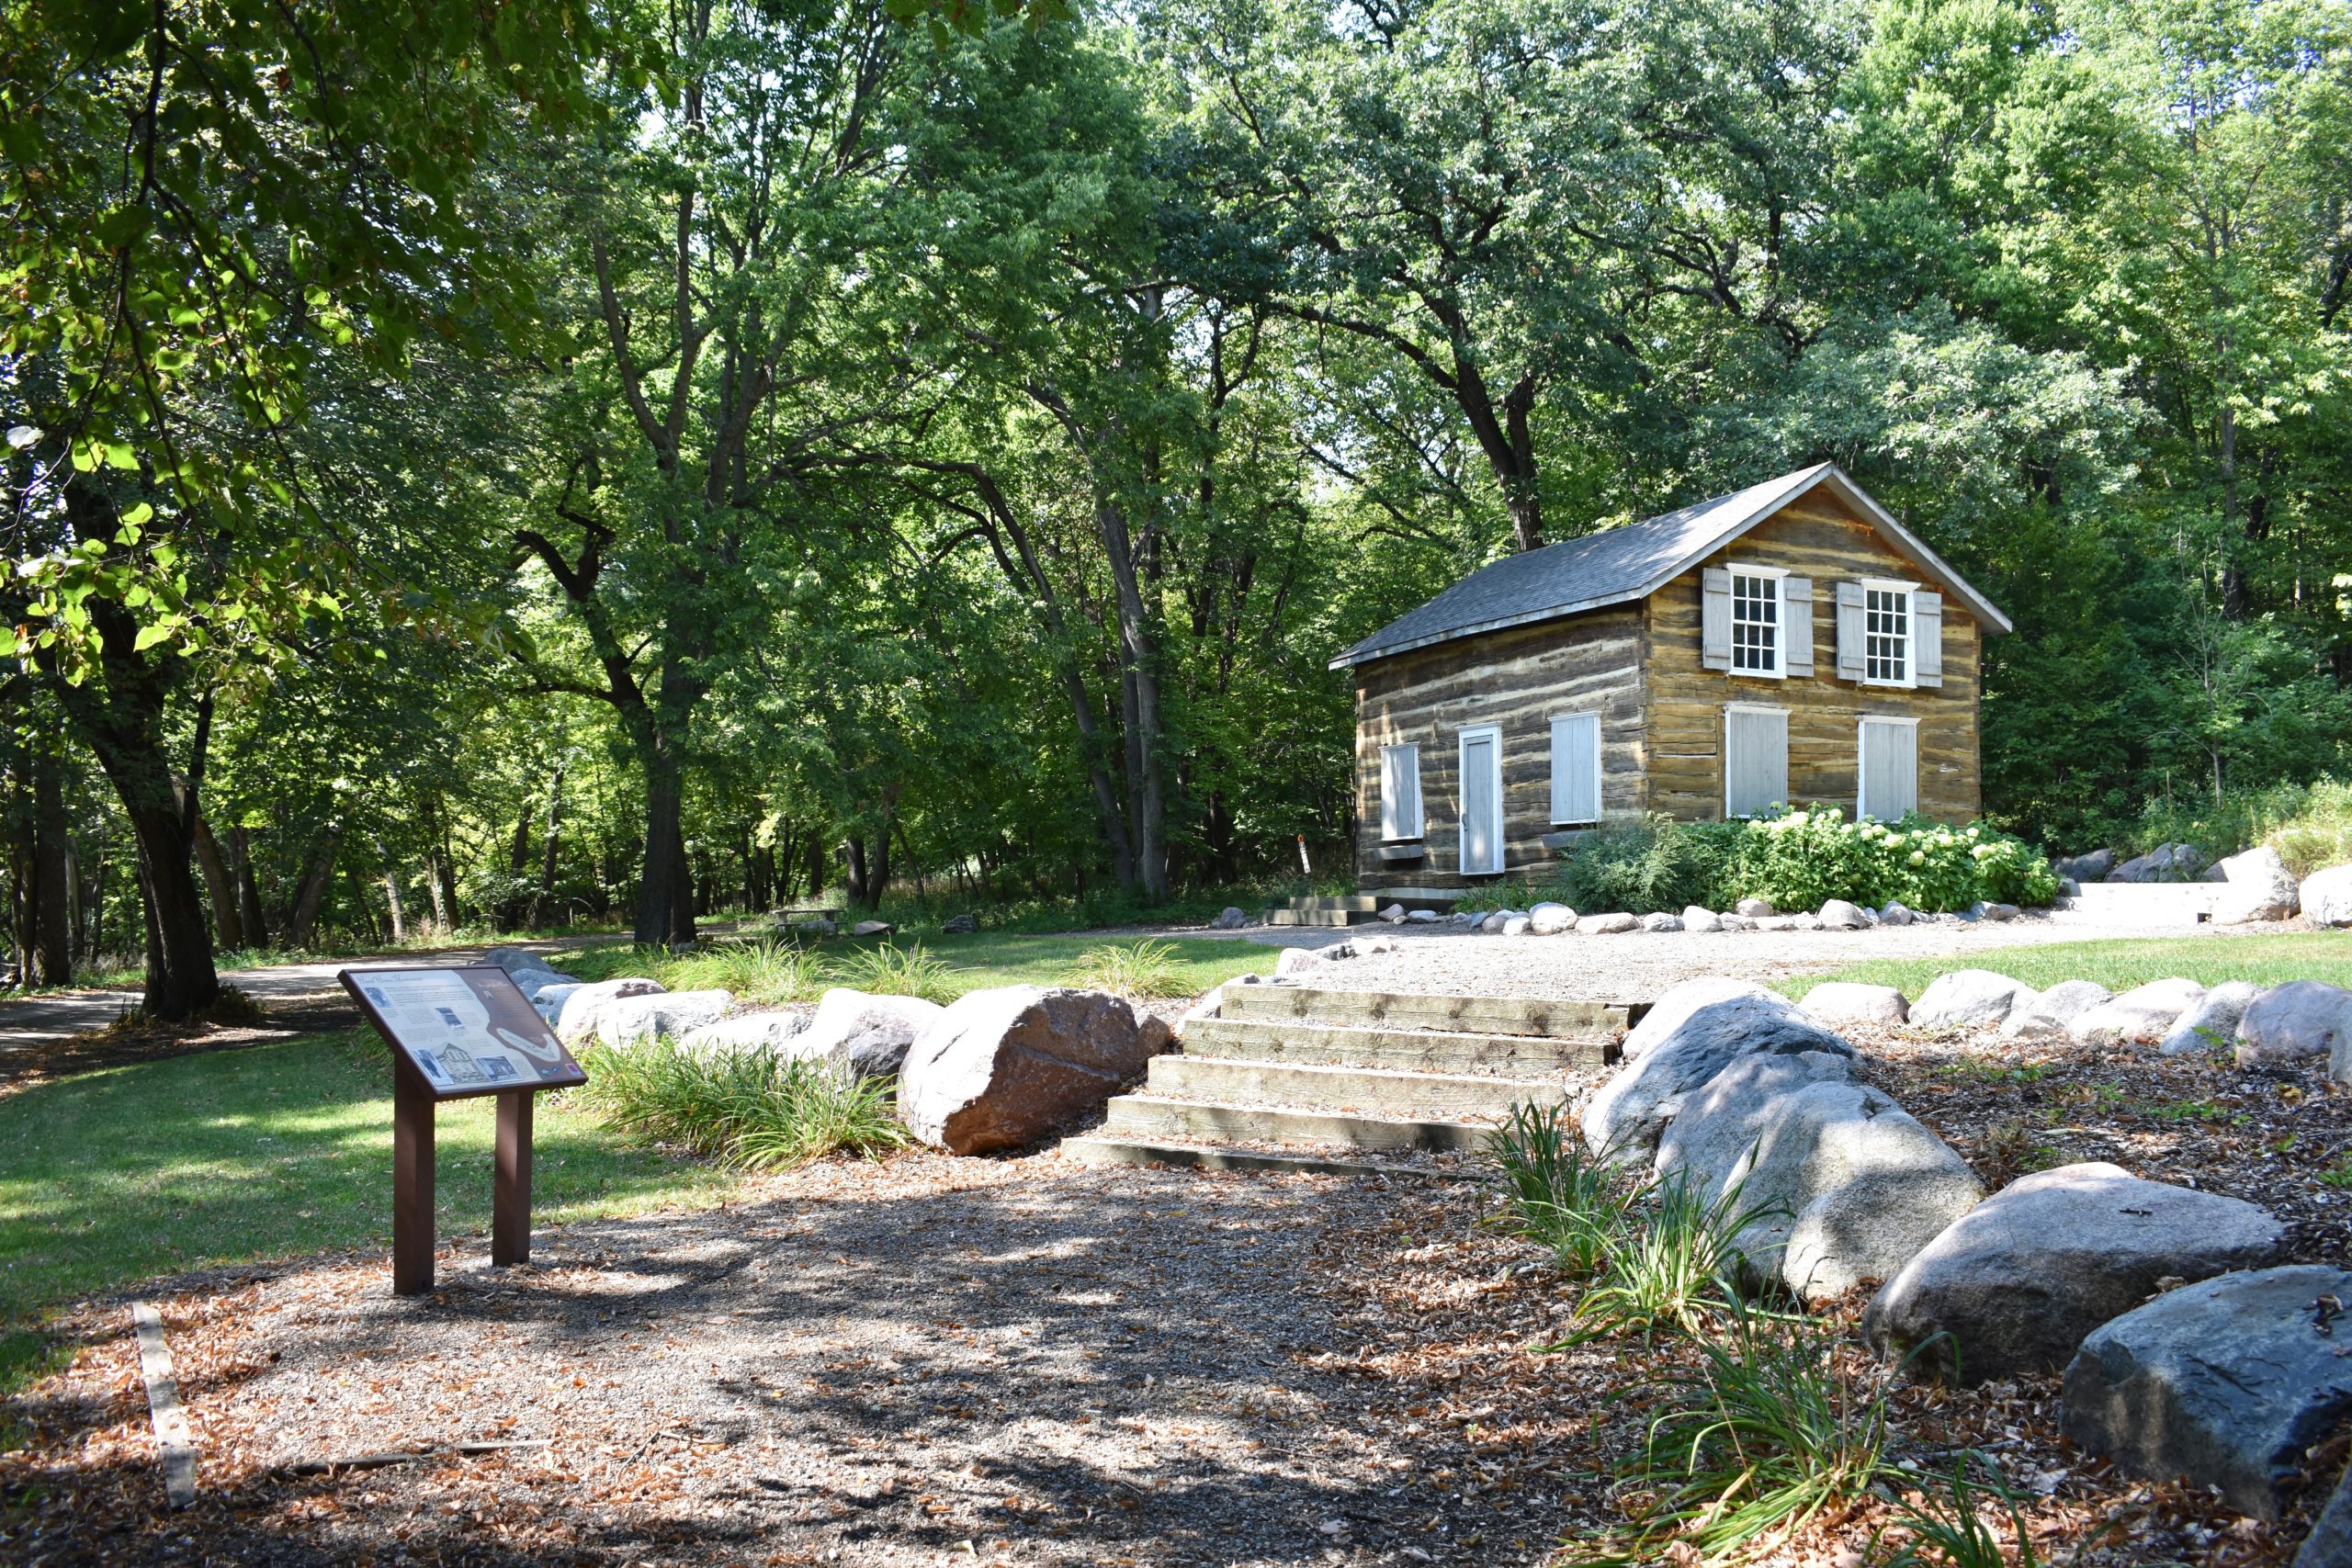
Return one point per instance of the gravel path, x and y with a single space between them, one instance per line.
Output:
1640 966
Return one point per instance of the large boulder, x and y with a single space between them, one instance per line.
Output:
1001 1068
1232 918
967 925
747 1031
671 1013
1551 919
582 1009
1840 915
1661 921
2225 1383
1698 918
1755 909
1844 1001
2092 867
1671 1011
2292 1022
1624 1117
2330 1543
1968 996
2049 1015
1896 914
1715 1127
2165 862
1605 925
2140 1016
2328 897
2260 888
867 1036
551 999
515 960
2016 1283
1300 961
532 982
2212 1024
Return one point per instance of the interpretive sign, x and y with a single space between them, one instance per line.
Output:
456 1033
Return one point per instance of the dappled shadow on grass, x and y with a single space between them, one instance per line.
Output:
1095 1367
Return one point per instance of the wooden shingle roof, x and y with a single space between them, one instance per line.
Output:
1636 560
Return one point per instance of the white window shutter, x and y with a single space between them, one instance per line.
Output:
1796 626
1576 769
1849 631
1755 760
1928 637
1400 791
1714 618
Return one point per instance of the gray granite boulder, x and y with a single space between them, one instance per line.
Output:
1002 1068
1992 911
551 999
2091 867
2260 888
747 1031
1696 918
1518 925
1839 915
2017 1282
2223 1384
1968 996
515 960
966 925
1393 914
873 927
2330 1543
1754 909
531 982
2049 1015
2165 862
2212 1024
867 1036
1896 914
1671 1011
1421 916
1661 921
1844 1001
1301 961
2326 896
2138 1017
627 1019
582 1009
1551 919
1606 925
2293 1023
1626 1116
1709 1131
1229 919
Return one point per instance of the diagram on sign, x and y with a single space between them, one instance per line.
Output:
468 1030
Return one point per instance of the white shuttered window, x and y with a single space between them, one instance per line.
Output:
1576 769
1400 791
1888 769
1756 758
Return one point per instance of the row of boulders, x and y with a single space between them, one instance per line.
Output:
996 1070
2227 1376
1751 915
2255 885
2261 1026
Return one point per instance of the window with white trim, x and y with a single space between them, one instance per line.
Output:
1756 620
1887 634
1400 792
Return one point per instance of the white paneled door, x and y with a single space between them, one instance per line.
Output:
1482 801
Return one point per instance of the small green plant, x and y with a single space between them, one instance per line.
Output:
1772 1428
2180 1110
2339 1175
893 971
1671 1266
1946 1525
744 1107
1555 1192
767 971
1136 969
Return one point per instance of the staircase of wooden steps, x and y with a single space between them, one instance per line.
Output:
1298 1077
1356 908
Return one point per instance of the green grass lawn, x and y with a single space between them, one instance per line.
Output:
236 1157
2119 966
780 973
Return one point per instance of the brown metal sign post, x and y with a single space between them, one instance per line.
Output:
459 1034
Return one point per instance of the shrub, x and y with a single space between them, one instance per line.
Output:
1771 1428
746 1106
2309 825
1803 858
1640 867
1138 969
1554 1192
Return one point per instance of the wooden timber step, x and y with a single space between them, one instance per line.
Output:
1217 1156
1379 1091
1399 1050
1152 1116
1278 916
1597 1023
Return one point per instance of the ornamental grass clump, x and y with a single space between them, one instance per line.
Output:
1553 1190
1944 1526
1775 1425
893 971
743 1106
1670 1265
1138 970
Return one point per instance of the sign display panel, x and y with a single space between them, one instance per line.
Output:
467 1031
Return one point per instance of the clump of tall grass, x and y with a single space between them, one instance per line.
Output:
1137 969
1945 1525
1671 1266
1771 1428
1553 1190
745 1107
767 971
893 971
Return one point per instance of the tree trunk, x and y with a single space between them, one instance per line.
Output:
542 901
220 886
816 864
1140 685
853 870
665 890
249 914
53 877
391 878
313 893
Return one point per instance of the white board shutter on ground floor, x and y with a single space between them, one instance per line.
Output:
1482 803
1888 769
1400 791
1756 759
1576 769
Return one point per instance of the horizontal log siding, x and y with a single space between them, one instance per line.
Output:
1818 538
1516 680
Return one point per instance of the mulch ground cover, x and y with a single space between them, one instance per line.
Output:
1021 1360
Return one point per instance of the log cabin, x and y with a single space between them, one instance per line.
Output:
1792 643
